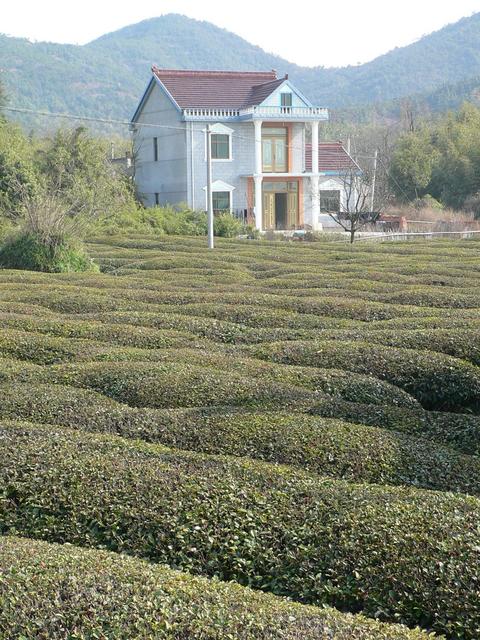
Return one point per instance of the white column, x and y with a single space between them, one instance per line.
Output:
314 180
315 146
258 174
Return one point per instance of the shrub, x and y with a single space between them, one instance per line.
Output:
227 226
26 251
438 381
455 429
176 384
263 526
61 591
327 447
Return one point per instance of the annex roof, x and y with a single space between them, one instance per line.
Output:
217 89
332 156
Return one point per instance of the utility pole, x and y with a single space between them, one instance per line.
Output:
209 188
374 178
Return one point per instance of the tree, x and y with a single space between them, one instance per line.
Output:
76 167
17 172
411 166
362 200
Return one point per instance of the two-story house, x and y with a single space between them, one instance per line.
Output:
268 163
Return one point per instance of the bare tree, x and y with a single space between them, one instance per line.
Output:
362 200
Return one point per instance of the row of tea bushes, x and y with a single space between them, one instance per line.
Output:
463 343
325 446
438 381
336 382
175 384
61 591
269 527
458 430
47 349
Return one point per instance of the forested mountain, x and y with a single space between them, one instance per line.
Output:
106 76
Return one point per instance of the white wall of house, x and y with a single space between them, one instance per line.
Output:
168 175
326 183
241 163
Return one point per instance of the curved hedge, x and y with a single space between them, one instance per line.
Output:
264 526
61 591
175 384
463 342
438 381
325 446
458 430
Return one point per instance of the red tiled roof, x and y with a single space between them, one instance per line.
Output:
331 157
221 89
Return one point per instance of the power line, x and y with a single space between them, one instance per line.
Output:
128 123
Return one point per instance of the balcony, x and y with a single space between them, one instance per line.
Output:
300 114
285 113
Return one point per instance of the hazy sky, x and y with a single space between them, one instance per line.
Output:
308 33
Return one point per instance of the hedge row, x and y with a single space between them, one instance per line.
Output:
325 446
264 526
129 368
61 591
350 386
175 384
438 381
463 342
46 349
461 431
120 334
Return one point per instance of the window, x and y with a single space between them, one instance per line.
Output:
155 149
220 146
157 199
330 201
221 201
286 99
274 149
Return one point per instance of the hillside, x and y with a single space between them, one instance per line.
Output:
106 76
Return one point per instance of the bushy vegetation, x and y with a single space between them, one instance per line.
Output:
270 528
323 431
440 160
24 250
46 589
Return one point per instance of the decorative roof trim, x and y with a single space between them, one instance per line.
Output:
220 185
287 83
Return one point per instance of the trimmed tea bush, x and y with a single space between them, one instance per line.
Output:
325 446
264 526
437 381
169 384
455 429
60 591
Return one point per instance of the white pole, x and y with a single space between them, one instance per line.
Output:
209 188
374 178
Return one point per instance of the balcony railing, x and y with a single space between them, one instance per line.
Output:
284 113
205 114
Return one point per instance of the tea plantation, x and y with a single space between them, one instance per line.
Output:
270 440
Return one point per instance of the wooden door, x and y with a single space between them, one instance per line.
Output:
268 210
292 210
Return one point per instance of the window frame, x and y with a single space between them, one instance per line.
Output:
330 191
217 211
220 129
271 136
288 94
228 136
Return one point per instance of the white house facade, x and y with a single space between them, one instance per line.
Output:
269 166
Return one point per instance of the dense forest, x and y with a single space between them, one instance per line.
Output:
106 77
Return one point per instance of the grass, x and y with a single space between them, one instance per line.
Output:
320 405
